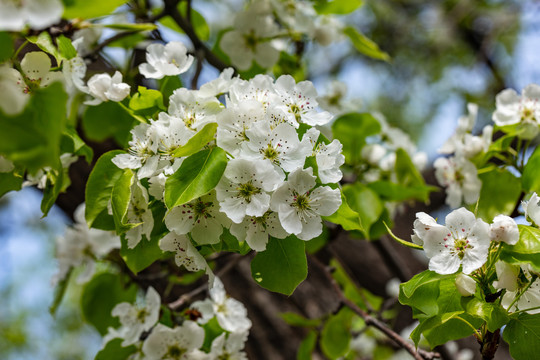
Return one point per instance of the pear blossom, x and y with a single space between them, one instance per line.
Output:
244 187
231 314
38 14
74 71
165 60
249 40
279 145
179 343
422 224
135 319
531 208
193 108
40 178
328 29
260 88
81 245
334 100
299 101
85 39
528 290
523 110
229 346
465 285
220 85
255 230
139 213
504 229
296 15
200 217
103 87
507 276
13 100
300 204
463 241
460 178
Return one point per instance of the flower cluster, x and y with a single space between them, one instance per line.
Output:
269 187
457 173
520 111
140 320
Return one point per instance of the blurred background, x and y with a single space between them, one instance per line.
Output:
443 55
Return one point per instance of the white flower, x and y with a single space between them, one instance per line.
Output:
328 29
139 213
233 124
74 71
532 209
231 314
505 229
279 145
299 101
229 346
38 14
465 285
249 40
180 343
422 224
40 178
255 230
298 16
103 87
13 99
194 109
334 100
373 153
220 85
143 152
507 276
460 177
300 205
528 297
85 39
524 110
165 60
258 88
464 240
135 319
81 245
329 159
170 133
243 189
200 217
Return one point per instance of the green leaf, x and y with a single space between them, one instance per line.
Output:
422 292
9 181
336 334
6 46
346 217
493 314
147 102
198 22
113 350
338 7
100 185
55 179
523 336
132 27
44 42
282 266
406 172
198 141
167 85
107 120
307 346
90 9
531 173
507 188
351 130
101 295
364 45
65 47
365 202
32 139
440 329
526 250
59 292
197 175
295 319
72 143
120 199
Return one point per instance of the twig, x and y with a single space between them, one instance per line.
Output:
109 41
372 321
185 298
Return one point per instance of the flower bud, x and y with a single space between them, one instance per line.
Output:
465 285
505 229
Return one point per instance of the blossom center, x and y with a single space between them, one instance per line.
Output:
247 190
175 352
301 201
460 246
141 315
270 153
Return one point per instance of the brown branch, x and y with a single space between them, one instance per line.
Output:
372 321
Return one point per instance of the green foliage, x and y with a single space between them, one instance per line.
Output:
340 7
198 141
120 200
6 46
530 178
113 350
97 124
9 181
99 188
295 319
90 9
132 27
55 179
352 130
101 295
65 48
364 45
72 143
523 336
32 139
365 202
346 217
508 190
336 334
282 266
45 43
197 21
197 175
361 297
526 250
147 102
491 313
307 346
